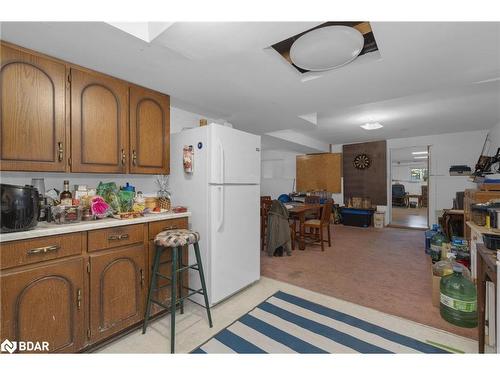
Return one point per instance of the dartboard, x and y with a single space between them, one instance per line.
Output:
362 161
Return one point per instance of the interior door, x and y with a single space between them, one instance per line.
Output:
149 131
235 156
234 243
99 123
32 112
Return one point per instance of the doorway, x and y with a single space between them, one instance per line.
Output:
410 187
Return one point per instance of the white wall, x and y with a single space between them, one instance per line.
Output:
278 167
278 172
494 137
179 119
401 174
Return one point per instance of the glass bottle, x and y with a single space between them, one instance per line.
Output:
66 197
163 193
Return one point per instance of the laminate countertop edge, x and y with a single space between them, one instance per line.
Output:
45 229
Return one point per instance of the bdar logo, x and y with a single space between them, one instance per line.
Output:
8 346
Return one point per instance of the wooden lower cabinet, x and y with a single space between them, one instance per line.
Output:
118 288
91 291
45 304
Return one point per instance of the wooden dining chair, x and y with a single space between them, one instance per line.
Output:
312 199
265 206
314 228
265 198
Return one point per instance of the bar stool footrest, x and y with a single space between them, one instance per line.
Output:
192 266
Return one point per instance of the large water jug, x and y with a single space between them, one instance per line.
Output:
458 299
437 242
429 233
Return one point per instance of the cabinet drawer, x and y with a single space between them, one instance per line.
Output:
112 237
18 253
156 227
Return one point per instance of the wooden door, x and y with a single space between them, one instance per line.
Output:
32 112
118 288
99 123
149 131
45 304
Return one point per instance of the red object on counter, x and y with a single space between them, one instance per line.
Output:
179 209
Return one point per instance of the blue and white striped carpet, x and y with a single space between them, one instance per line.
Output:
285 323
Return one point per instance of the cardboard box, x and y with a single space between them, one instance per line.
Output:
436 291
378 219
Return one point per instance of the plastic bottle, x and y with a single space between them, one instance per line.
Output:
445 267
429 233
437 242
458 299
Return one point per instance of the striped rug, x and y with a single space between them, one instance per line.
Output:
285 323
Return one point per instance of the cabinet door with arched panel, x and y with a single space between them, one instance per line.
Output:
32 111
118 288
99 123
45 304
149 131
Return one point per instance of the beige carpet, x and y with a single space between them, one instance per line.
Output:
385 269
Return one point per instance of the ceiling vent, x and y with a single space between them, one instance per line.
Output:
367 45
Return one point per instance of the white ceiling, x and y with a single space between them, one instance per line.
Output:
422 81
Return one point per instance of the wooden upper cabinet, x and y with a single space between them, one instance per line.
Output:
118 289
45 304
99 123
149 131
32 112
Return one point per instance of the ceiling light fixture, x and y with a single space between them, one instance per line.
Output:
372 126
420 152
420 157
327 48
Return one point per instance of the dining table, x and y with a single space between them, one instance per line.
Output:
299 211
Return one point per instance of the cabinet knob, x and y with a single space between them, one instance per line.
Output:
134 157
60 151
43 250
79 299
124 158
169 228
113 237
142 277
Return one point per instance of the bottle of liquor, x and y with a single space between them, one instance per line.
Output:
65 196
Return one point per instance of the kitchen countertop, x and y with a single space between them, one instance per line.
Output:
49 229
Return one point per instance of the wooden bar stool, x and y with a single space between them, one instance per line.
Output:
174 240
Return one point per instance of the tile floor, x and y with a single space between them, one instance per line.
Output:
193 330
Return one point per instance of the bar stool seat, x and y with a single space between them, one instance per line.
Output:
176 237
174 240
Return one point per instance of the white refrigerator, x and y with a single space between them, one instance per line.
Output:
223 195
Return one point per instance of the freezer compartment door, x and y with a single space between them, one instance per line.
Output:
234 240
235 156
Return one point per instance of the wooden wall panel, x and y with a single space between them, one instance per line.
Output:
368 183
319 172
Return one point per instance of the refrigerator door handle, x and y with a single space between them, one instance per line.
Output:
220 216
221 161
